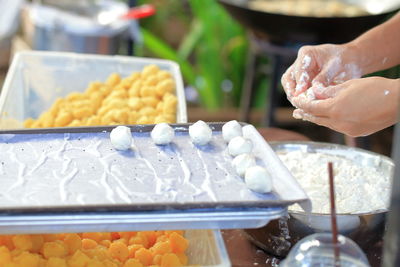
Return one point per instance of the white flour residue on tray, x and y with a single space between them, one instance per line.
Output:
83 169
358 189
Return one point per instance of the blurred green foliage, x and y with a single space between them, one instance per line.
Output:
392 73
211 49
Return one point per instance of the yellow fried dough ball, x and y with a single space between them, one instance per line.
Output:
142 97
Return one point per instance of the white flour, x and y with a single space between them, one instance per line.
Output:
358 189
306 62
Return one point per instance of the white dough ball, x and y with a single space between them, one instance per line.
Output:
200 133
239 145
242 162
258 179
162 134
121 138
230 130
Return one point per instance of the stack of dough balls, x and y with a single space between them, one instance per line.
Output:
146 97
257 178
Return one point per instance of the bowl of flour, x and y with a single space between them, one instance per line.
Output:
362 193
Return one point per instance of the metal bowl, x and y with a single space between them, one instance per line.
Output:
364 228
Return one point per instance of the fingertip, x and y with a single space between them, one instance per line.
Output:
308 117
302 115
319 95
287 83
304 77
289 74
319 80
288 87
318 88
302 83
298 101
299 89
318 91
297 114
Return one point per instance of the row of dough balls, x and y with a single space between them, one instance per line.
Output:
257 178
145 97
162 134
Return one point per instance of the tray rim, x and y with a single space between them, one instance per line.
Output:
112 222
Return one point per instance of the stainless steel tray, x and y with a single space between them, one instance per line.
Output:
72 178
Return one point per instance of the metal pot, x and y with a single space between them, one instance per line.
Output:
54 29
365 229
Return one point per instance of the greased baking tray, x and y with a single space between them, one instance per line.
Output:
71 179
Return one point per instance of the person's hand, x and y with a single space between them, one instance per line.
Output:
357 107
320 66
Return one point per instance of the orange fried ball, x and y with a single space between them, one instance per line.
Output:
118 249
146 97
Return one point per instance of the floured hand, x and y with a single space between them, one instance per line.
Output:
320 66
357 107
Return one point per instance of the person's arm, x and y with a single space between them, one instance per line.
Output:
357 107
328 64
378 48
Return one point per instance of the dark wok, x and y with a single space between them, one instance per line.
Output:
287 29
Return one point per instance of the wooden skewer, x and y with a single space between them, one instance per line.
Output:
333 215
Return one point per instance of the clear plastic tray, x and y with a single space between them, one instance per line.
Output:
136 221
35 79
206 248
77 180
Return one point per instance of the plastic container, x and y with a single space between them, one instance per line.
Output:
35 79
206 248
317 250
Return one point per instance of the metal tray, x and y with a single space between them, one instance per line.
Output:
363 228
73 179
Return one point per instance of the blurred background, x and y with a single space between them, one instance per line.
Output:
232 53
